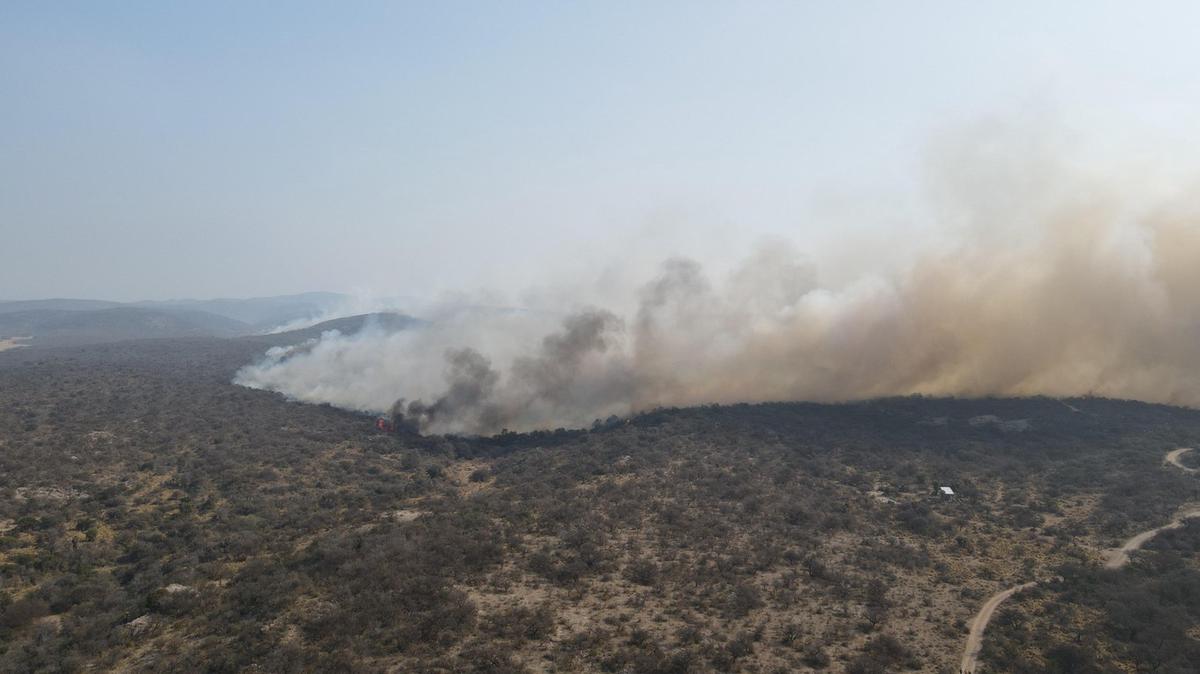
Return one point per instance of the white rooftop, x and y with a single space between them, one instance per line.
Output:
947 491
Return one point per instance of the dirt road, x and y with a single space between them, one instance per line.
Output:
1116 558
970 656
1113 559
1173 459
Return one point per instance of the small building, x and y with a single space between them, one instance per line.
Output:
945 491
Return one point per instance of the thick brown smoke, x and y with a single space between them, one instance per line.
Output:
1091 304
1049 281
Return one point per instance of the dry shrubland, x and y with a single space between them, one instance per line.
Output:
155 517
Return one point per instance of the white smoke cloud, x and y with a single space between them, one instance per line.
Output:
1051 279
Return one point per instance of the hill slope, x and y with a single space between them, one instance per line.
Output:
53 320
349 325
156 517
50 327
55 305
261 313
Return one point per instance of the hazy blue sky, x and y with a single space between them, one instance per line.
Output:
154 150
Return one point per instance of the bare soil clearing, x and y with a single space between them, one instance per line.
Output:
12 343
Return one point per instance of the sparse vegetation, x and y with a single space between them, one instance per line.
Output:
155 517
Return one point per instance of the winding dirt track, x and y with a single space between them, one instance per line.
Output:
1113 559
975 639
1173 459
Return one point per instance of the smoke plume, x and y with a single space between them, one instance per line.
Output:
1047 279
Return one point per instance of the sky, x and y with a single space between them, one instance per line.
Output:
155 150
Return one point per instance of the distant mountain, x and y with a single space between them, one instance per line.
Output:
61 327
386 321
56 305
262 313
66 322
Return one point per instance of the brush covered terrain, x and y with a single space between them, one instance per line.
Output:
155 517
